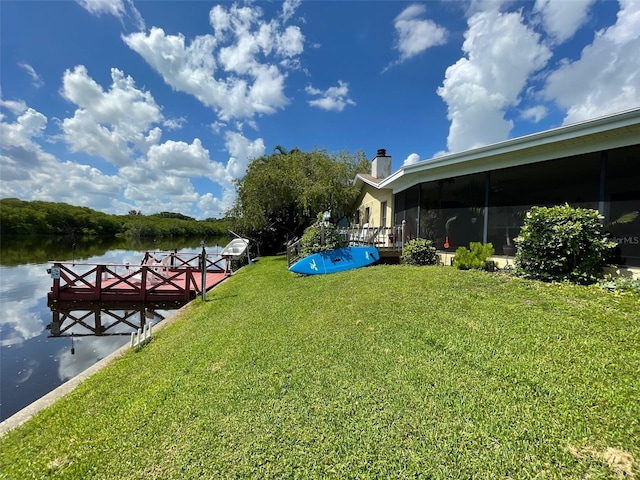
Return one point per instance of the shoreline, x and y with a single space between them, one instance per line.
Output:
53 396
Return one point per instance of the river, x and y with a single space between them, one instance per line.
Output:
32 361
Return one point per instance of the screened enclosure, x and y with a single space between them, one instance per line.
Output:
491 206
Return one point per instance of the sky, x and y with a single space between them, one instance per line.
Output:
159 105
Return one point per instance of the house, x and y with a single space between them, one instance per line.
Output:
483 194
375 203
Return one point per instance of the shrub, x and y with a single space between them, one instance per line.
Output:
312 241
419 251
562 243
476 257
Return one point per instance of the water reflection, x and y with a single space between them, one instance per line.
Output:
86 352
23 290
41 249
81 319
33 360
74 323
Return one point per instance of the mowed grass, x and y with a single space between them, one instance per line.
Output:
382 372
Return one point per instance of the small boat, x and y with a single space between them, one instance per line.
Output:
337 260
236 248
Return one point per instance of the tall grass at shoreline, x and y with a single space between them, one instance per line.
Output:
396 372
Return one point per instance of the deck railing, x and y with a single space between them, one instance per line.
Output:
161 276
388 238
293 251
214 262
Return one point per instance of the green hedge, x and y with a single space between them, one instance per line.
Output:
419 251
562 243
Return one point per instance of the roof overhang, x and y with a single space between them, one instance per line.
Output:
609 132
362 179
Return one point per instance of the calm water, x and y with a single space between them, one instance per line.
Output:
32 363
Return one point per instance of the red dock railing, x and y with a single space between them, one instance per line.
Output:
173 277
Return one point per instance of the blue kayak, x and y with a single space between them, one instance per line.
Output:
337 260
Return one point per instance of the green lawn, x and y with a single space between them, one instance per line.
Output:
383 372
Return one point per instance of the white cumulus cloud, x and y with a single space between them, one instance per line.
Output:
236 70
242 150
179 158
411 159
21 156
30 123
606 78
562 18
333 98
416 34
116 124
164 181
214 207
501 53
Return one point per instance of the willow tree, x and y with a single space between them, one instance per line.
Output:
281 194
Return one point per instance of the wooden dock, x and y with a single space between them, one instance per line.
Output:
161 277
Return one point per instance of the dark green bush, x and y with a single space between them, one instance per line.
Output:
476 257
419 251
562 243
312 238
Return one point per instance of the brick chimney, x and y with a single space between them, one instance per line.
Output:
381 164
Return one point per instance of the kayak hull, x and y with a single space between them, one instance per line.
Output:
337 260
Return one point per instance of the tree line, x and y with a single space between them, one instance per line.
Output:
19 217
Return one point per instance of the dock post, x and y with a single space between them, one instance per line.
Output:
98 283
143 283
188 279
203 276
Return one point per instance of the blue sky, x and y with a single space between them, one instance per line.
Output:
160 105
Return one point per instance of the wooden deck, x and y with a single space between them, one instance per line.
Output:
173 277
